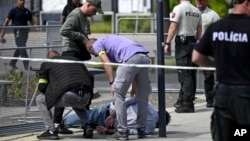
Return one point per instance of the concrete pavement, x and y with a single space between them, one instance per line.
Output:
183 126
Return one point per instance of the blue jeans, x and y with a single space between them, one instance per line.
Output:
96 116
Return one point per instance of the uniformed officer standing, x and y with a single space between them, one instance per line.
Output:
226 45
208 17
19 16
186 25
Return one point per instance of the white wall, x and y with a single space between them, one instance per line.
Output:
133 6
53 5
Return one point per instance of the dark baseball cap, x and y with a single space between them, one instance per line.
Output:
97 4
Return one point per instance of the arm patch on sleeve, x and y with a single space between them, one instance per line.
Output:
42 80
101 53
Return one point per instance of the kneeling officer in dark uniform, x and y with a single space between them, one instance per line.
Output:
63 84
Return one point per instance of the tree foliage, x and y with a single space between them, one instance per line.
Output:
220 6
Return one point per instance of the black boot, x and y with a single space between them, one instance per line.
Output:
209 87
179 101
186 107
210 99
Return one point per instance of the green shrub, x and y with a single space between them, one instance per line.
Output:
125 25
101 27
107 18
129 25
220 6
18 88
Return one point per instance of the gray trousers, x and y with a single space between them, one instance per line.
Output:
124 77
69 99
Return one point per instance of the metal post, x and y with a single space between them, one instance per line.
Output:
5 95
152 16
32 6
27 92
115 11
40 5
161 72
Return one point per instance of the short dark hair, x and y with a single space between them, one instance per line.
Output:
168 119
238 1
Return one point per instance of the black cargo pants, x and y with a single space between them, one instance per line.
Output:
209 82
183 56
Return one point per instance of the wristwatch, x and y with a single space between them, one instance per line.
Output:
167 43
110 83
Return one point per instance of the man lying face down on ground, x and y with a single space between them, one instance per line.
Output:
103 118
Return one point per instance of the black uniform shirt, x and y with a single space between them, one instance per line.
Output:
228 42
20 16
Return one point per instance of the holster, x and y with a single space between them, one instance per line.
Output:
183 39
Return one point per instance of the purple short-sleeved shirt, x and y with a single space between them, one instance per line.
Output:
119 49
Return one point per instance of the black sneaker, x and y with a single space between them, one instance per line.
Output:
118 136
60 129
48 135
88 132
210 102
141 133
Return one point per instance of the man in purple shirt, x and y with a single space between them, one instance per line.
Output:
118 49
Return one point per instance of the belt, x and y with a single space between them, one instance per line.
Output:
146 53
80 91
185 36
